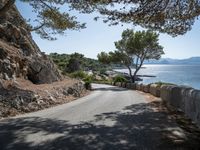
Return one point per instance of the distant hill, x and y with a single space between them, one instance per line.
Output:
192 61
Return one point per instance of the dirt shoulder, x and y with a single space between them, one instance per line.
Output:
22 96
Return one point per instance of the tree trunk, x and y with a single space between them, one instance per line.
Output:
137 69
135 75
131 76
6 7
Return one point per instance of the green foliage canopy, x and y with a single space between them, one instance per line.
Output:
133 49
50 20
174 17
63 60
74 63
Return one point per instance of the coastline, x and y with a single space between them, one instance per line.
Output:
187 75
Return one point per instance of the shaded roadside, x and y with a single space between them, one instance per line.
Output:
140 126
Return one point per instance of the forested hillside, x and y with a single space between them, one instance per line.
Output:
68 63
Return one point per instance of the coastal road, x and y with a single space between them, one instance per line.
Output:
110 118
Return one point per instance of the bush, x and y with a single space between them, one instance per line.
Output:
163 83
119 78
102 70
78 74
88 81
88 85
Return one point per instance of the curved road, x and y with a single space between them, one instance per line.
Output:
110 118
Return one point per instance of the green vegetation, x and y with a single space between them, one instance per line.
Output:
78 74
88 85
76 62
163 83
119 78
76 66
172 17
133 49
49 20
88 81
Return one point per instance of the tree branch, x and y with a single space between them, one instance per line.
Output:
37 28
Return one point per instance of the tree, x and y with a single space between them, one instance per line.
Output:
174 17
103 57
133 49
74 63
50 19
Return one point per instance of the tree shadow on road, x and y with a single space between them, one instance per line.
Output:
136 127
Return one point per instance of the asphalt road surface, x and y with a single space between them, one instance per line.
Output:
110 118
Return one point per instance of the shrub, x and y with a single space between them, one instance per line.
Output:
102 70
163 83
78 74
88 81
119 78
88 85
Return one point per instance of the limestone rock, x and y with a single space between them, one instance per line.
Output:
154 90
146 88
19 54
139 86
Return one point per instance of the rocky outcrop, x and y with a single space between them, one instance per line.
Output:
21 96
29 80
19 54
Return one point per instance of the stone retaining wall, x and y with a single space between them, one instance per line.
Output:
182 98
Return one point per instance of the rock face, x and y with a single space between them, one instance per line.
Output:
29 80
17 98
19 54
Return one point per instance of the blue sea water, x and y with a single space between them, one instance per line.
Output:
188 75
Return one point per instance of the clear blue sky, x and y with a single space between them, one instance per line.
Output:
98 37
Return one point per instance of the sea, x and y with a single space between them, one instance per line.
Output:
188 75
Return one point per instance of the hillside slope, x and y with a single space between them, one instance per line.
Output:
19 54
29 80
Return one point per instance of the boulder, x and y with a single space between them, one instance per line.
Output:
123 84
118 84
171 94
128 85
146 88
191 99
41 71
154 90
133 86
76 90
138 86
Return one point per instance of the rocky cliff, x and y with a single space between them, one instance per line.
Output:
19 54
29 80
